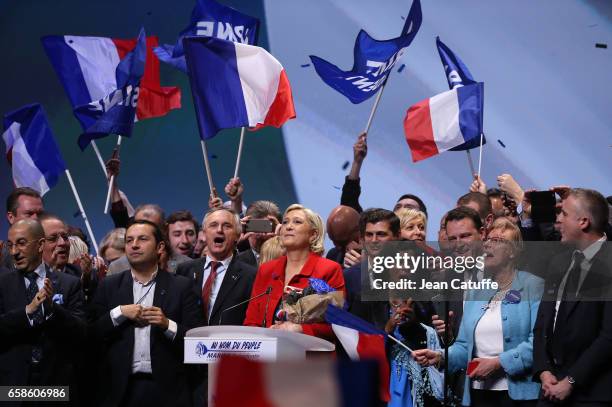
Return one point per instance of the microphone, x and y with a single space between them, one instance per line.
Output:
265 317
267 292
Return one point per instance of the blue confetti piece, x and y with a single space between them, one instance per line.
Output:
345 165
403 18
338 188
213 156
305 65
401 68
501 143
76 214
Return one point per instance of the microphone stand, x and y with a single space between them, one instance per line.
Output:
267 292
265 317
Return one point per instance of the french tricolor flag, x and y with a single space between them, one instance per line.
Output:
86 67
236 85
31 149
361 341
444 121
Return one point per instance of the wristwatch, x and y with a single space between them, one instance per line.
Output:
571 380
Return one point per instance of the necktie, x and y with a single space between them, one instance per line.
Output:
31 292
37 317
573 278
208 285
569 295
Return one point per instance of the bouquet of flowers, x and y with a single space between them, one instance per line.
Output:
308 305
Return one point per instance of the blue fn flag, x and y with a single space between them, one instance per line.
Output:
210 19
457 74
31 149
373 61
114 114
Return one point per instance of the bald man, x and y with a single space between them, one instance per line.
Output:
343 230
41 314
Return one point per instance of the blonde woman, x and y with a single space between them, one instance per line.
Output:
271 249
302 235
413 224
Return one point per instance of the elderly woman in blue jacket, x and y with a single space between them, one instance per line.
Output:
495 341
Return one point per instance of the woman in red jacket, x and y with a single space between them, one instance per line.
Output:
302 235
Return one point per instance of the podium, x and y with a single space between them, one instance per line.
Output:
206 345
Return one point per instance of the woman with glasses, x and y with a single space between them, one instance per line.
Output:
495 341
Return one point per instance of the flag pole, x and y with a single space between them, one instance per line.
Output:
78 199
399 343
111 181
207 165
242 131
480 154
378 96
95 147
470 163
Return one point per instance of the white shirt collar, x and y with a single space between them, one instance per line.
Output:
224 262
145 283
593 248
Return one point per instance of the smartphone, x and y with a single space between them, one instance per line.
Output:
259 226
472 364
543 206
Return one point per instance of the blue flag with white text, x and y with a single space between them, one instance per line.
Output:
210 19
457 74
114 114
373 60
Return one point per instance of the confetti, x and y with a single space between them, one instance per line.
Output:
336 187
401 68
345 165
601 45
305 65
501 143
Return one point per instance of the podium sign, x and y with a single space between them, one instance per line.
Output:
210 349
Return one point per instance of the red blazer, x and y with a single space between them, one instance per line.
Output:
272 274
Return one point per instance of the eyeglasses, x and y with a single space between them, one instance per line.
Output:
20 244
54 238
395 304
496 240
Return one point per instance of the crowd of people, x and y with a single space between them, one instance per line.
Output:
111 326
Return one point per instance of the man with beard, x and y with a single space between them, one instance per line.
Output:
41 315
141 316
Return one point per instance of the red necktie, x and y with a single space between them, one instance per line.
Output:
207 290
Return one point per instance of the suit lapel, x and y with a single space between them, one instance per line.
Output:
161 289
231 277
597 278
21 293
126 288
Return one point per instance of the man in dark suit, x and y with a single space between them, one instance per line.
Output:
573 331
141 315
220 280
41 315
232 280
375 227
